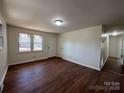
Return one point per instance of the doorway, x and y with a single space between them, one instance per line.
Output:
116 54
122 51
51 48
103 51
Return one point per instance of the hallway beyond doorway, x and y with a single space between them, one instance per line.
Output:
114 65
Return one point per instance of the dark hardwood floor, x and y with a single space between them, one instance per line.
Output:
114 65
56 75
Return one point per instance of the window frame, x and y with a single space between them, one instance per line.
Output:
18 43
31 43
2 37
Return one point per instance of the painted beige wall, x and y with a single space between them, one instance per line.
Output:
14 57
81 46
3 53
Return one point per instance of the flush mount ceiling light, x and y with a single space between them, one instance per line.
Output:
115 33
58 22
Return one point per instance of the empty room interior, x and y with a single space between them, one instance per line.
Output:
61 46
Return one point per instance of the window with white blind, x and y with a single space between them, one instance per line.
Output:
29 43
37 43
24 42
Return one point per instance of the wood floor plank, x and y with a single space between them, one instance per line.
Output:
56 75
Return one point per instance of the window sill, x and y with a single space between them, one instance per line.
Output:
38 51
29 52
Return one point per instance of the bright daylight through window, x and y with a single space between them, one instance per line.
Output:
29 43
37 44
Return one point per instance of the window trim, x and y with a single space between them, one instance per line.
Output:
31 36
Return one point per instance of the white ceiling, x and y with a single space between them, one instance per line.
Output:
76 14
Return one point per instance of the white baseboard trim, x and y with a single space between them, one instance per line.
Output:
73 61
16 63
1 82
1 88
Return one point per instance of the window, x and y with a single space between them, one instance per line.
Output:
1 38
24 42
37 43
29 43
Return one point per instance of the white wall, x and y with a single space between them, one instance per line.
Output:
14 57
3 53
82 46
115 46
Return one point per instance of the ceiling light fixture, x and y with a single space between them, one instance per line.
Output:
115 33
58 22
